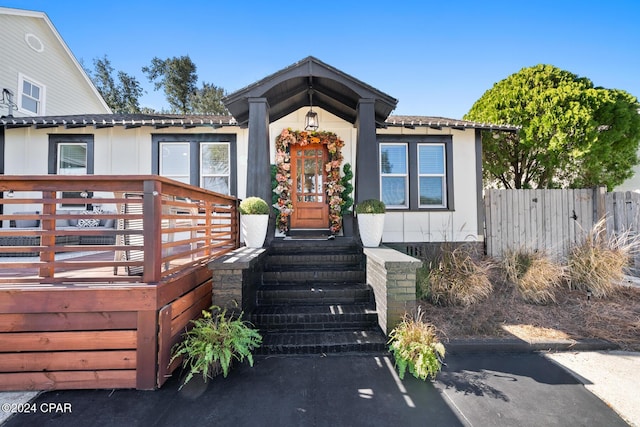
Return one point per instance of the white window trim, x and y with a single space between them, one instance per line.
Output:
227 175
176 177
42 101
442 175
59 146
405 175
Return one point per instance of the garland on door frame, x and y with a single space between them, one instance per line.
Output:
333 187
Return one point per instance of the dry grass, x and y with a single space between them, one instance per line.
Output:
597 263
506 314
457 278
535 275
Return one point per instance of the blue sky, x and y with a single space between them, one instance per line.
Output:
436 59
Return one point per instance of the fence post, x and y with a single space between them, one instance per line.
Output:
48 240
600 206
152 210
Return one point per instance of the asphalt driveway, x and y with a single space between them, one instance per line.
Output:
476 389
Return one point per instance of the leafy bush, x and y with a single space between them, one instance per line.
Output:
535 275
459 278
254 206
371 206
415 347
597 264
214 342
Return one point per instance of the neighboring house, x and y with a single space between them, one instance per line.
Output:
426 169
39 75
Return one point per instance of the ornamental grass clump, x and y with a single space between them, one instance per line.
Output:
596 265
459 278
535 275
214 341
415 347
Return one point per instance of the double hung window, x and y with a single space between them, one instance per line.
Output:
31 97
415 172
203 160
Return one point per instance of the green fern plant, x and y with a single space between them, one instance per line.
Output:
213 342
415 347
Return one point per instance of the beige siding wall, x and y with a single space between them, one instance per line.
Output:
120 151
67 90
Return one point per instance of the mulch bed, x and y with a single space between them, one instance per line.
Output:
574 316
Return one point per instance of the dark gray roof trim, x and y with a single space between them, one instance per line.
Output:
190 121
287 91
126 120
443 122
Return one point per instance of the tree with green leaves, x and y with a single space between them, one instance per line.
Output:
208 100
572 133
121 96
177 77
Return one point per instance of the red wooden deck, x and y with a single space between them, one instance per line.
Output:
106 316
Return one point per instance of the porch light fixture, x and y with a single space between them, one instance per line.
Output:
311 119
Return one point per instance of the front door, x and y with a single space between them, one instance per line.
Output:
310 208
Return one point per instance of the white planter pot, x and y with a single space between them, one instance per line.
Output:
254 229
371 227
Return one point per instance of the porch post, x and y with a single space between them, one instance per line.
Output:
367 180
258 170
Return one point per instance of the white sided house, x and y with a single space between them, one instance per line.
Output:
427 170
39 75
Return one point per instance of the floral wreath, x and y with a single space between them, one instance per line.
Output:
333 187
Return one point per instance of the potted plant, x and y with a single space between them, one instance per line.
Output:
370 214
254 221
213 342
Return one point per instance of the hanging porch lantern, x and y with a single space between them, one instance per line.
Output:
311 121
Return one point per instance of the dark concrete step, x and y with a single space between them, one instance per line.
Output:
338 245
370 340
315 261
304 275
313 293
315 317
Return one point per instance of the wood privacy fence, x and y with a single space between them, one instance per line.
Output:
554 220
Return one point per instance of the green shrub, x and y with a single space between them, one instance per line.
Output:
535 275
370 206
213 342
345 181
459 278
597 264
254 206
415 347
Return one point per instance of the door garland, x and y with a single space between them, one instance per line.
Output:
333 187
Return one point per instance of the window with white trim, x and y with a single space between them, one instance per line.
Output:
431 175
175 161
71 155
31 96
394 174
215 166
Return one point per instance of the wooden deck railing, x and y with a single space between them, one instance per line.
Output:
149 228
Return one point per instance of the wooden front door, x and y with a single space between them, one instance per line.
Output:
310 208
